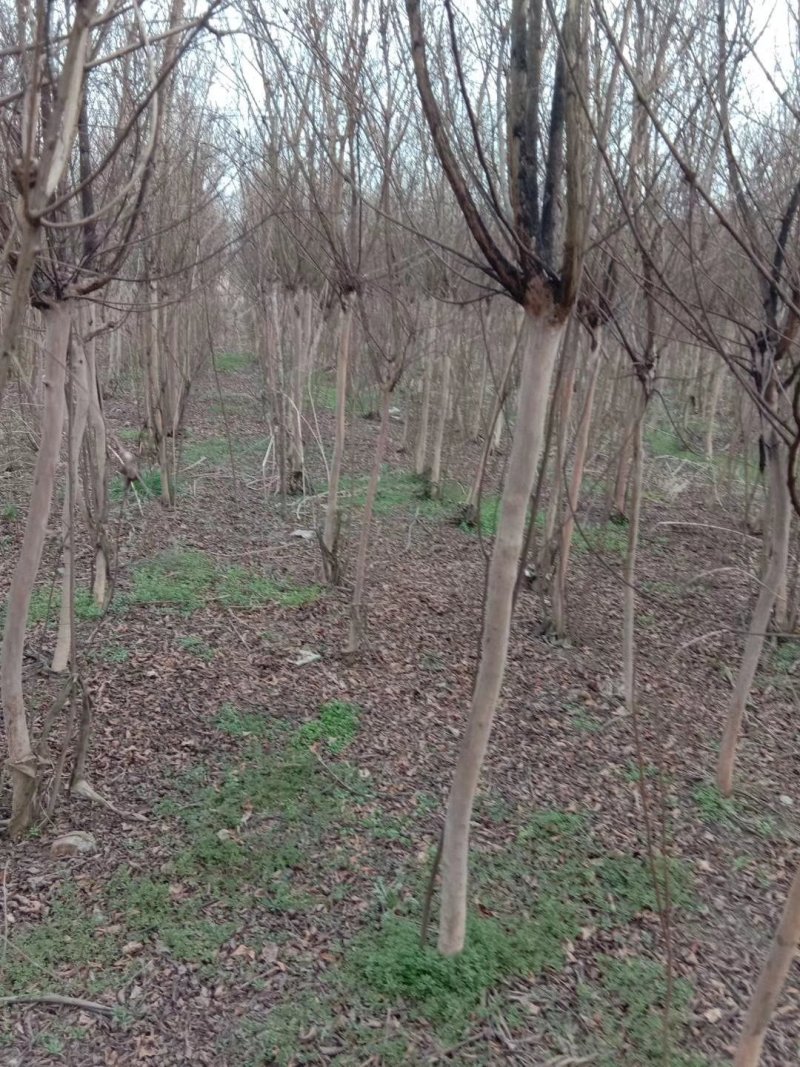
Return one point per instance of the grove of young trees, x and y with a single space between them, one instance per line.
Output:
399 429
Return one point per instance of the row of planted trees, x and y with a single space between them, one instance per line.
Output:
528 229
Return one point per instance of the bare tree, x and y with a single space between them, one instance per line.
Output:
541 271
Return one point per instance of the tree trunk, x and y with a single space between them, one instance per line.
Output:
771 980
711 412
559 597
330 534
542 338
441 426
779 516
97 476
618 507
296 452
358 615
503 389
78 398
629 605
477 410
21 760
563 401
421 449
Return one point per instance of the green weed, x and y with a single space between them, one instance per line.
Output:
279 1038
45 605
180 578
632 773
150 910
240 723
217 451
55 948
51 1043
242 588
582 721
10 513
229 362
198 647
337 726
488 518
186 579
148 484
323 395
663 442
784 657
610 539
447 990
713 806
129 433
115 654
626 1008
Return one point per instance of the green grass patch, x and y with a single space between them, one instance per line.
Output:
46 604
240 837
402 491
661 441
47 952
582 721
537 894
712 806
186 579
150 909
129 433
784 656
216 451
229 362
447 990
626 1006
323 395
10 513
148 484
488 517
197 647
336 727
398 491
610 539
240 587
232 720
112 653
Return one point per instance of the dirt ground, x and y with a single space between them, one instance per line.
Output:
251 901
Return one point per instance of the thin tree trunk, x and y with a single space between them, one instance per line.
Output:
779 513
470 507
441 426
330 535
477 411
618 509
358 614
78 391
771 980
78 777
542 339
500 424
296 457
711 412
21 760
629 604
97 468
421 448
559 598
563 402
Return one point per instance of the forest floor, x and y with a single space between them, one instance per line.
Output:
257 898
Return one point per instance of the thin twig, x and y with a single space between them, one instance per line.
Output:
55 998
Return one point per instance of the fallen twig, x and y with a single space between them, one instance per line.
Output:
55 998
